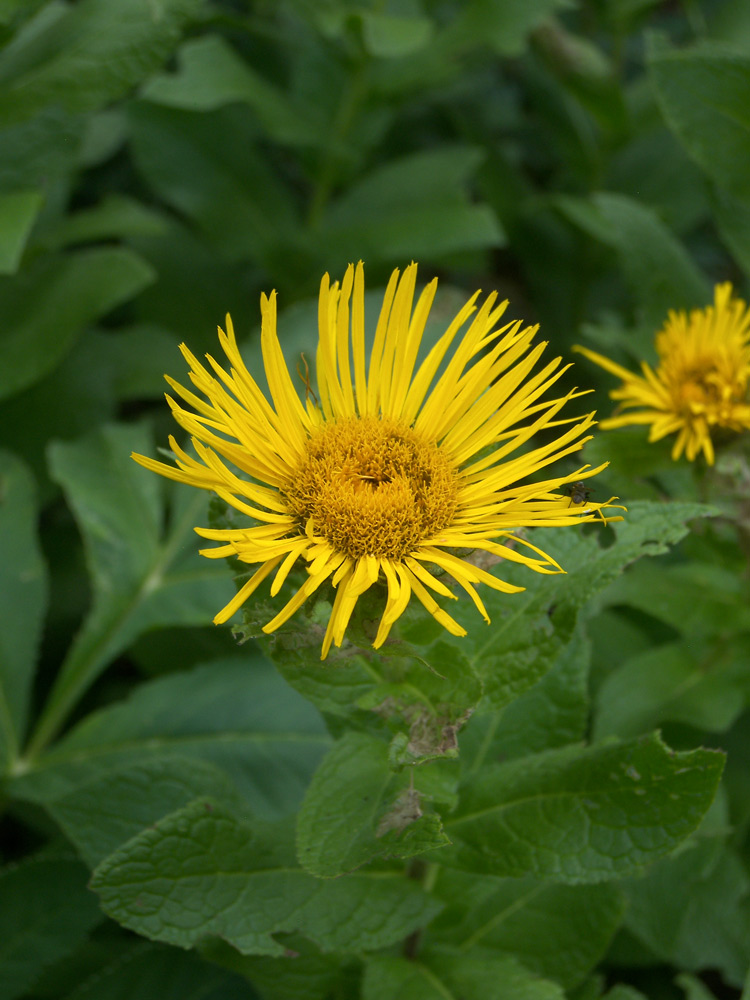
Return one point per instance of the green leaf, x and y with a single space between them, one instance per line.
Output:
357 808
415 206
83 56
581 815
117 803
18 211
503 24
47 305
303 973
386 36
229 189
149 970
688 681
450 976
693 910
140 578
37 152
694 988
211 74
46 912
703 92
732 217
559 931
659 270
23 600
201 871
531 630
553 713
236 715
115 217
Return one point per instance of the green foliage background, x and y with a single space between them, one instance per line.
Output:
161 163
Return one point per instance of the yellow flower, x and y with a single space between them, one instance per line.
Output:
389 469
700 383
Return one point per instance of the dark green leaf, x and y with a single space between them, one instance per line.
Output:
703 94
18 210
228 188
154 971
141 579
23 600
118 803
46 911
453 976
693 910
211 74
659 270
46 307
690 681
553 713
83 56
559 931
357 808
236 715
200 872
415 206
582 815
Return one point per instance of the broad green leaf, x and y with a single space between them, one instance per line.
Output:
661 274
158 971
622 992
228 188
688 681
553 713
654 169
357 808
694 988
141 578
693 910
115 217
200 871
416 206
450 975
503 24
702 92
23 600
45 912
38 151
581 815
18 211
733 220
87 54
387 37
115 805
559 931
530 630
303 973
46 306
211 74
236 715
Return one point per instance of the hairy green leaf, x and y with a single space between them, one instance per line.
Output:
201 871
582 815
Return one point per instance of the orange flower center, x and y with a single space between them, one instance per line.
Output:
373 486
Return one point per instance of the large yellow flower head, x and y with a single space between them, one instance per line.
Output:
700 384
390 468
